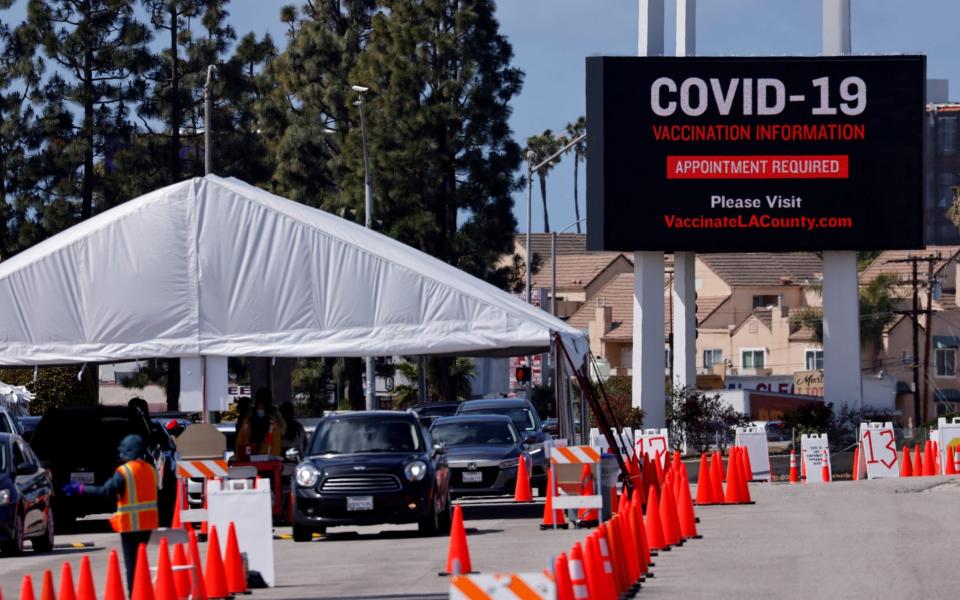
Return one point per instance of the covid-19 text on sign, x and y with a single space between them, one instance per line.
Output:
762 154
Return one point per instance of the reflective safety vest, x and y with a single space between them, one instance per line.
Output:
137 507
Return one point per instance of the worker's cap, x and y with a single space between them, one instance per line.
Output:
131 447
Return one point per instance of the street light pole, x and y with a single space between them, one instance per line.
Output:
371 396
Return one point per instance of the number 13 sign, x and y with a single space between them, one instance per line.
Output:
878 449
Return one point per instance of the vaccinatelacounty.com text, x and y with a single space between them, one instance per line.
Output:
762 221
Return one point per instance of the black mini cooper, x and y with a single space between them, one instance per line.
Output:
368 468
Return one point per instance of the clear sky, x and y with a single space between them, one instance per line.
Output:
551 38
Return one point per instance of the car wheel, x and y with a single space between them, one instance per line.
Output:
430 524
15 546
44 543
302 533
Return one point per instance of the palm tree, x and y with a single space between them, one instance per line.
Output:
575 130
539 148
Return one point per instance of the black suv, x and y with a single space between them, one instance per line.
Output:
527 422
367 468
80 444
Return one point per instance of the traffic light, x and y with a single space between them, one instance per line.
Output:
522 374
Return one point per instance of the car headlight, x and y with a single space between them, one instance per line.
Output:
4 497
510 463
307 475
416 470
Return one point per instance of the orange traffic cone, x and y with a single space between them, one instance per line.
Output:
114 589
614 555
176 523
85 587
604 545
655 533
46 587
639 533
747 467
522 491
214 575
587 517
668 518
458 555
906 469
142 586
579 584
927 460
561 578
164 588
917 461
596 578
624 499
658 469
733 485
716 478
552 519
703 482
199 589
630 545
794 478
825 467
688 519
233 562
26 589
181 577
856 463
744 488
803 466
936 458
951 459
67 591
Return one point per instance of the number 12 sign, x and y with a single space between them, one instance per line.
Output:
878 448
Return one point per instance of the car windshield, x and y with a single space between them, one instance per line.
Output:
521 416
474 432
4 424
348 436
440 409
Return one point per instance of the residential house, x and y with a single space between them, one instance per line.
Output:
580 276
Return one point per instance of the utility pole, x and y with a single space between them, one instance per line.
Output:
920 412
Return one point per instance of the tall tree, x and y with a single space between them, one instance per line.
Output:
575 130
99 45
441 150
540 148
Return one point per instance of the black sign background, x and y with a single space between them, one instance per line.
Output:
629 195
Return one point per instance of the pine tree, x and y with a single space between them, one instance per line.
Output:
99 45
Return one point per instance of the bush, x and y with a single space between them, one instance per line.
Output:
620 396
55 386
813 418
700 419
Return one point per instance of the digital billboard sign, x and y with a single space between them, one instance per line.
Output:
755 154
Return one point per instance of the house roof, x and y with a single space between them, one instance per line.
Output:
576 270
903 270
567 243
618 294
764 268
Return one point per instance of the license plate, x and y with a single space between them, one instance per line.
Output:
82 477
359 502
472 476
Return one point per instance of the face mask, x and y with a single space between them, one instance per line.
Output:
261 413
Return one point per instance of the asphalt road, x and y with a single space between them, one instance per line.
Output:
867 539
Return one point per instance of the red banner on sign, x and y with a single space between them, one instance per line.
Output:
758 167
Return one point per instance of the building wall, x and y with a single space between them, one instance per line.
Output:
942 172
707 282
899 348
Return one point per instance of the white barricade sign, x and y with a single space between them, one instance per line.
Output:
813 448
754 439
949 440
654 443
878 447
250 510
598 441
508 586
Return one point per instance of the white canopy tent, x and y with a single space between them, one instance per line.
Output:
217 267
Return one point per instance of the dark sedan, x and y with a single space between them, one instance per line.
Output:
483 452
368 468
26 498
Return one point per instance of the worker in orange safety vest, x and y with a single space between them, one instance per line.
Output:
134 483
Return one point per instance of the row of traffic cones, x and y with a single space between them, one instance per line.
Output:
178 578
710 481
927 462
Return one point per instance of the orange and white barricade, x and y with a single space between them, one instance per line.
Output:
569 465
202 469
508 586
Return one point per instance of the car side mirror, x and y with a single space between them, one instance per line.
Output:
440 448
530 438
292 454
26 469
